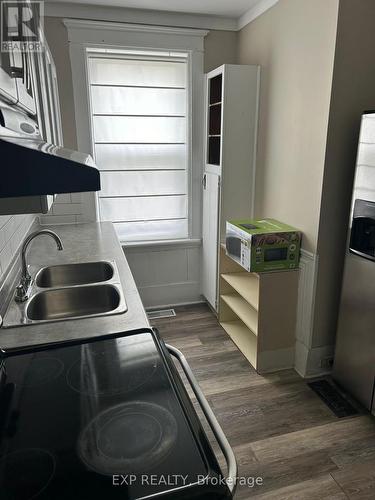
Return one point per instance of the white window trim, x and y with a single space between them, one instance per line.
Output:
83 35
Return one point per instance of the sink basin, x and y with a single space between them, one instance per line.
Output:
65 303
74 274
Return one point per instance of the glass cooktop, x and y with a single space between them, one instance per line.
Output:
95 420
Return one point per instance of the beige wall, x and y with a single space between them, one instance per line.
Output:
353 92
220 47
294 43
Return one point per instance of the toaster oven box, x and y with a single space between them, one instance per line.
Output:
263 245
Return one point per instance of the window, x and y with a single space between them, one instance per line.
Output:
139 116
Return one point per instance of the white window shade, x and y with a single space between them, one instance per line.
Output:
139 129
139 124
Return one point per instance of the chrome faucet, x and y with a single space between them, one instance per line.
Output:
23 289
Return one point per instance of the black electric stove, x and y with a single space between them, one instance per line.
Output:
105 418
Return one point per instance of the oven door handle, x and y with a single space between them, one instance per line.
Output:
211 419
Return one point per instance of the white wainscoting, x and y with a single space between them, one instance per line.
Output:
166 274
308 359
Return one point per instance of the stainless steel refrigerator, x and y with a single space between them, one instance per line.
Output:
354 365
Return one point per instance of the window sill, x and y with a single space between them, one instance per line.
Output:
162 244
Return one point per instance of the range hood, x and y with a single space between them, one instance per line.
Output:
32 167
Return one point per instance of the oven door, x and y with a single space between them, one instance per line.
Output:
224 491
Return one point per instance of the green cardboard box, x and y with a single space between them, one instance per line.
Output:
263 245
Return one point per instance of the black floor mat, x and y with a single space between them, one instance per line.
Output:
340 406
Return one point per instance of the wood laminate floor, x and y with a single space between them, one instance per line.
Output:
279 428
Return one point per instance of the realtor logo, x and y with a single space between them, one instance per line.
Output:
21 25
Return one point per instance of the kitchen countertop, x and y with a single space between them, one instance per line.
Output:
82 243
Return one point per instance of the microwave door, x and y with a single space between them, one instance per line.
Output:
233 247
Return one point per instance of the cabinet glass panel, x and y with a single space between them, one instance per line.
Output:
215 95
215 89
214 120
214 150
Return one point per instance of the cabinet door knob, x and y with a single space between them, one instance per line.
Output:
204 181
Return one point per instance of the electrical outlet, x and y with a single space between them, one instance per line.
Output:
326 363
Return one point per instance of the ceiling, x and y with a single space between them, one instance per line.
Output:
225 8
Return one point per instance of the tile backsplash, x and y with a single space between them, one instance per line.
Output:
13 229
66 209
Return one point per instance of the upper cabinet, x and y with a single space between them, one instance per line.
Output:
48 105
24 75
8 85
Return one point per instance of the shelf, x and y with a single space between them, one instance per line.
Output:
243 338
246 284
247 314
214 135
215 103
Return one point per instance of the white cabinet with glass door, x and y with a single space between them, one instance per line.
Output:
232 95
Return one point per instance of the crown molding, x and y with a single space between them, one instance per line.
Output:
139 16
111 26
257 10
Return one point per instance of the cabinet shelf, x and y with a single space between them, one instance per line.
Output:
215 103
240 307
244 339
246 284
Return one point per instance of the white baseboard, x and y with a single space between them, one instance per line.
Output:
175 304
309 361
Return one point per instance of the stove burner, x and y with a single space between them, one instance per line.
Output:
26 473
41 371
97 373
128 438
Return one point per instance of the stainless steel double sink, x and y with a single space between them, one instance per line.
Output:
69 291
